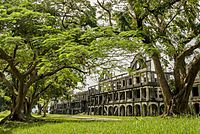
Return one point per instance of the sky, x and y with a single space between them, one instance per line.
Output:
93 1
92 80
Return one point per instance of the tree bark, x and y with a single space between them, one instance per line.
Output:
179 105
45 107
175 103
17 113
17 110
39 109
162 79
28 108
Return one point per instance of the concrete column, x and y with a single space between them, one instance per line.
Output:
113 96
102 98
134 110
133 95
125 98
107 98
158 113
119 111
125 111
141 111
140 94
98 99
148 109
107 111
147 93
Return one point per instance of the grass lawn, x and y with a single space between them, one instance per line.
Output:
83 124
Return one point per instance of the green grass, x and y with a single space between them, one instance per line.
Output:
3 114
83 124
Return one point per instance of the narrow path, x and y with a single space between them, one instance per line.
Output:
92 118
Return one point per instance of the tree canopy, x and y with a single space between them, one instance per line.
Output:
39 42
40 39
170 36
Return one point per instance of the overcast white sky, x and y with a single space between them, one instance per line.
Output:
93 1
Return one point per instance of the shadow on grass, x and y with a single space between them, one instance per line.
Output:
8 127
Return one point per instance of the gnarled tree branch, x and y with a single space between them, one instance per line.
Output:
107 10
189 51
8 84
57 70
32 66
11 63
194 68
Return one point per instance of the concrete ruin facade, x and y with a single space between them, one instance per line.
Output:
126 95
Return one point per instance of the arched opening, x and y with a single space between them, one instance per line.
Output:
144 110
196 108
105 110
100 111
129 110
92 111
162 109
115 111
110 110
95 111
153 110
137 110
122 110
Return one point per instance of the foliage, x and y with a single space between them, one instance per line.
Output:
42 40
169 31
5 100
37 42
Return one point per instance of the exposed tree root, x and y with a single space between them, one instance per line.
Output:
21 118
3 121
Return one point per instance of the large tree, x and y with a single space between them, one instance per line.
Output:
37 40
170 36
52 88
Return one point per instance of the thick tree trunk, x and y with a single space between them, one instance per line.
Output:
17 113
175 103
167 94
45 111
179 104
45 107
39 109
21 112
17 110
28 108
